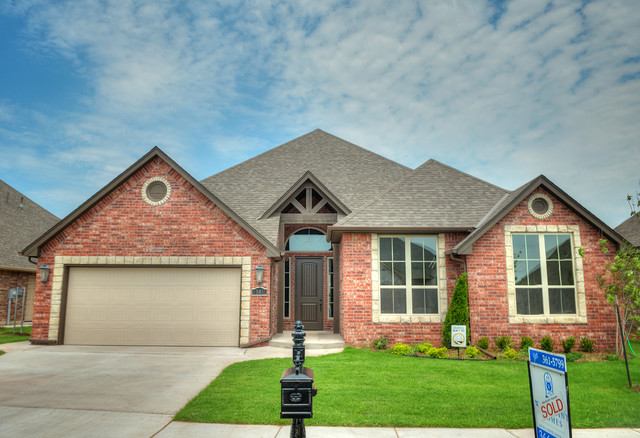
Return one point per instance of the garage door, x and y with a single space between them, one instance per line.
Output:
153 306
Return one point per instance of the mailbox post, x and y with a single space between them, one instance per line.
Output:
297 390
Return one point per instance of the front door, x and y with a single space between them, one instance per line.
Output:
308 279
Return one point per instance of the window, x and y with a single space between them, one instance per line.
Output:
308 240
287 290
408 275
544 274
330 285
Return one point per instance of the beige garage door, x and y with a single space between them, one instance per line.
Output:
153 306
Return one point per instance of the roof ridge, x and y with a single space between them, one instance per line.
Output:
466 174
26 198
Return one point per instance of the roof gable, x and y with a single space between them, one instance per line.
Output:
21 221
630 230
505 205
33 249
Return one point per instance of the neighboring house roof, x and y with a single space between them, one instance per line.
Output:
350 173
21 221
34 248
630 230
506 204
433 197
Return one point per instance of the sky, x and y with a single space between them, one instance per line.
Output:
502 90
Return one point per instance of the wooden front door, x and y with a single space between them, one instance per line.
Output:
308 279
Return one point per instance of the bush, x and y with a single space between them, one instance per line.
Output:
440 353
510 354
380 343
587 344
525 343
458 311
503 342
400 348
573 356
547 344
483 343
611 357
472 352
423 347
568 344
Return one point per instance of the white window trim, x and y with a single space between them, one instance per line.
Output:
379 317
581 301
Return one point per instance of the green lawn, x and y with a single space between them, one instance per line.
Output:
367 388
6 335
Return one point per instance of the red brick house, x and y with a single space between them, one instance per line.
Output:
347 241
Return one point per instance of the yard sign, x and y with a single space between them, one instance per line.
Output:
459 336
549 394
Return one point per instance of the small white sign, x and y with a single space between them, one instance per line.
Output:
549 394
459 336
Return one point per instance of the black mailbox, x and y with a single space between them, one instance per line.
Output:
297 393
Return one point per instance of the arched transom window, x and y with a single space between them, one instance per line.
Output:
308 240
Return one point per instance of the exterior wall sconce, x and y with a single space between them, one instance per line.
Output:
259 277
44 273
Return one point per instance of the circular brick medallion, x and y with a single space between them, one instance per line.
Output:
156 191
540 206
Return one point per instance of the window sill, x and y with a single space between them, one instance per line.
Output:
547 319
393 318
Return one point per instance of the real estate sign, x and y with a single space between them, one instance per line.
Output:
459 336
549 394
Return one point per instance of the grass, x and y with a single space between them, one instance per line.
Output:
367 388
7 336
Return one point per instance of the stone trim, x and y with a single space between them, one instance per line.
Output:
378 317
581 299
62 261
533 213
148 183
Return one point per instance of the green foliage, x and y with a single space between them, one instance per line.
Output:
483 343
510 353
573 356
503 342
611 357
568 344
380 343
400 348
440 353
458 312
423 347
525 343
472 352
586 344
622 279
547 344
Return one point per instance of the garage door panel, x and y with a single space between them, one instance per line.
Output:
153 306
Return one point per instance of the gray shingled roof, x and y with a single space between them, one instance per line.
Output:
630 230
19 226
353 174
432 196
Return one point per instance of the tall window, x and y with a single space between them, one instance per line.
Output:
544 274
408 275
330 285
287 290
308 240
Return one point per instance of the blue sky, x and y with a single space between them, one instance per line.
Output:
503 90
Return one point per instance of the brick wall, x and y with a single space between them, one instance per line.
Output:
187 225
9 280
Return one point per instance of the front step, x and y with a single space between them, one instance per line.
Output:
315 340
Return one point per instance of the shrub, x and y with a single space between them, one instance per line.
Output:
510 353
458 311
440 353
472 352
525 343
547 344
483 343
587 344
568 344
611 357
503 342
400 348
573 356
380 343
423 347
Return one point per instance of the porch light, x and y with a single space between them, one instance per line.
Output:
259 274
44 273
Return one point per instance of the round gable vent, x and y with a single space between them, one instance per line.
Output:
540 206
156 191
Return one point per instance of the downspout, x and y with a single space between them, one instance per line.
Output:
459 260
31 261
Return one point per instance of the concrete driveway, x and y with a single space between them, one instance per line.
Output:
72 391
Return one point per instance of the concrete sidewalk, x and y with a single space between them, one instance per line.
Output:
196 430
